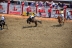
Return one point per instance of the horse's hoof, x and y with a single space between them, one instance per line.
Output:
1 28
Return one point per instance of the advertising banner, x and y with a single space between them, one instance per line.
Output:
15 9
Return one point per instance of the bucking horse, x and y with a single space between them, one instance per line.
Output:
34 20
61 20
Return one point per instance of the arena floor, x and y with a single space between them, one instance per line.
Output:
47 35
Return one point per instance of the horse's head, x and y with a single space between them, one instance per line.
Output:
58 17
60 20
2 22
28 20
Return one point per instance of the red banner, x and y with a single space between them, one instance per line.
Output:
14 12
1 7
43 14
41 10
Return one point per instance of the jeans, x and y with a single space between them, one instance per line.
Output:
40 13
27 13
68 17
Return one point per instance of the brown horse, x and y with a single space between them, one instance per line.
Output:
61 20
33 20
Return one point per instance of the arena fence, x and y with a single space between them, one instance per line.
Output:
21 10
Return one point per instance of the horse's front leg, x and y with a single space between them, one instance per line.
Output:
63 22
35 24
29 22
3 26
6 26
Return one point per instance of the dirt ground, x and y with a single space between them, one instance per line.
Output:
46 35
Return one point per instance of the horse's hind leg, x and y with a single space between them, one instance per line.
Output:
6 26
3 26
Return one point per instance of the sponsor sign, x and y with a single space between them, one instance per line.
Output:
43 14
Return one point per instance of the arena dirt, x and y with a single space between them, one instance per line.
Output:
46 35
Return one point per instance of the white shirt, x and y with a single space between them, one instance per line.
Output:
62 15
53 3
31 16
68 13
2 18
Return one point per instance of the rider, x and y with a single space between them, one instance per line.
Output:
3 18
62 14
32 16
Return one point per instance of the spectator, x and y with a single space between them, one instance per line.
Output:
56 6
28 10
59 4
68 15
39 11
53 4
49 12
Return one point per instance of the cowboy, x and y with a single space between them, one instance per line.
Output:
3 18
32 15
62 14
